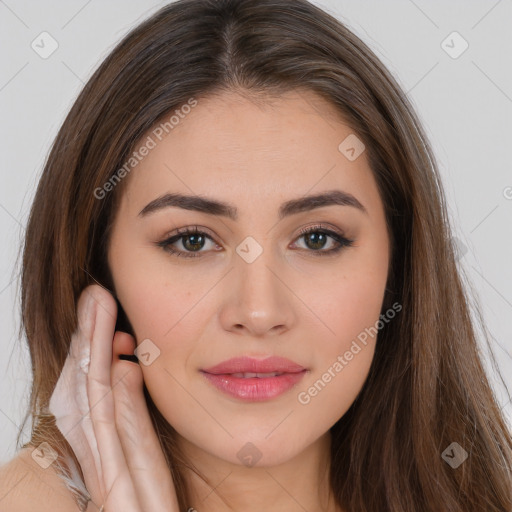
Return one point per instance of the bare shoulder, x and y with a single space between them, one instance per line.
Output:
26 486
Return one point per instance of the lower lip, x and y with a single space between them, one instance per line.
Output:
254 389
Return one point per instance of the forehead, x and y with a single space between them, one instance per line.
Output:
232 146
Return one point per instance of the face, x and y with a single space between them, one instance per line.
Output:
250 283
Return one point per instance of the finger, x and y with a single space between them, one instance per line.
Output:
113 463
150 473
86 321
69 402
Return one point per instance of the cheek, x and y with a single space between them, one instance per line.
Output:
160 312
348 309
345 301
166 312
159 300
166 309
350 313
343 359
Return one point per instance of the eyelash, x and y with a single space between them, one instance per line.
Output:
183 232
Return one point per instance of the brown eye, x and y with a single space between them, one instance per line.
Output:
192 241
316 238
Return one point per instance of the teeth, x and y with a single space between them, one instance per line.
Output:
248 375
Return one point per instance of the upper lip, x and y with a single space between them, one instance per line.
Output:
251 365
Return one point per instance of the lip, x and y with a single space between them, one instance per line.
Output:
254 389
250 364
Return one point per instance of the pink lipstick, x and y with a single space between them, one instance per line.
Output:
255 380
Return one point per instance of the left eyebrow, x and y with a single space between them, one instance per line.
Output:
221 208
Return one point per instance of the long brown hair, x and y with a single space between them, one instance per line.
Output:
426 388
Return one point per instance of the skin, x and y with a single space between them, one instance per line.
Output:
289 302
256 158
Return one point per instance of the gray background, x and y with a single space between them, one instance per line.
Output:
465 104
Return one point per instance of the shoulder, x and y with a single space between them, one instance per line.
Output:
26 486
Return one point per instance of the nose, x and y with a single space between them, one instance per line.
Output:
257 300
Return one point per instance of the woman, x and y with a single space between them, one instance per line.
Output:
225 158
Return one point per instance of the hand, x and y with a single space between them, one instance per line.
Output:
100 409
